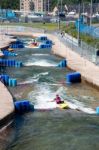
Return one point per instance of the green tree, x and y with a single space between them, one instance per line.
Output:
9 4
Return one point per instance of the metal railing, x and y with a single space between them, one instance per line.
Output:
85 50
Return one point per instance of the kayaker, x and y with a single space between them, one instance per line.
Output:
58 99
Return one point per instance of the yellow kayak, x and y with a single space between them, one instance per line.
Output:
10 49
63 105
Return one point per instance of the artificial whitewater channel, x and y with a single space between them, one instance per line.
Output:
39 80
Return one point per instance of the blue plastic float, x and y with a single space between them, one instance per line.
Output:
48 42
12 82
18 64
97 110
73 78
7 53
42 38
8 81
23 106
62 64
5 79
10 63
45 46
17 44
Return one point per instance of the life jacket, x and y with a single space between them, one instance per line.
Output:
58 100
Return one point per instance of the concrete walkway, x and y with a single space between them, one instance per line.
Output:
6 102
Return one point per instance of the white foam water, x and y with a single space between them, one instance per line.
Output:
43 97
40 54
43 63
33 79
28 81
75 104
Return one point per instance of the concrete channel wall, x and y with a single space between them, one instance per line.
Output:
88 70
6 105
6 99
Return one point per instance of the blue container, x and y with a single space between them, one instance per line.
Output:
12 82
7 63
10 63
13 54
62 64
97 110
20 46
5 79
22 106
6 52
18 64
43 38
73 77
49 42
3 62
13 63
0 62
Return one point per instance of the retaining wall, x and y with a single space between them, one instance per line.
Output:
88 70
6 105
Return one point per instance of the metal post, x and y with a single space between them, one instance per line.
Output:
48 6
91 13
79 40
83 11
58 16
61 6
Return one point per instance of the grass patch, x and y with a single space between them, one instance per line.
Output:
47 26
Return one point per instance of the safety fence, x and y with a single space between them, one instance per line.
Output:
90 30
85 50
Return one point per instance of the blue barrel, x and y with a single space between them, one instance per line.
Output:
3 62
20 46
13 63
63 63
5 53
22 106
18 64
13 54
12 82
5 79
97 110
0 62
97 53
7 63
73 77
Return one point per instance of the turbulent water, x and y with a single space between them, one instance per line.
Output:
48 127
